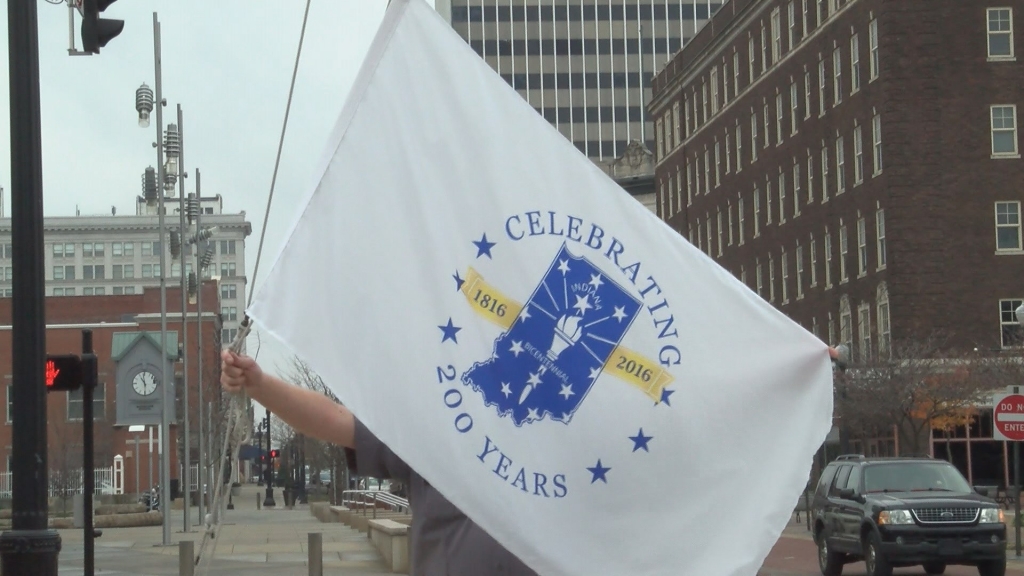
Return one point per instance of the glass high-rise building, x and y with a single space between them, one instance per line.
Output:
585 65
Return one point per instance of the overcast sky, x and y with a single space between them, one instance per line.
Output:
229 64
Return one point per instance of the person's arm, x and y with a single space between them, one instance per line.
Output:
306 411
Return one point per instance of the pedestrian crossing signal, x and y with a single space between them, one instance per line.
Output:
63 373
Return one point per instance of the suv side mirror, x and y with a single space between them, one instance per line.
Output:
848 494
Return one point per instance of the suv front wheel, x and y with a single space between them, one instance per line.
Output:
992 568
875 562
831 563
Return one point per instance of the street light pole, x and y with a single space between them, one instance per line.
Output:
167 376
185 245
30 548
268 502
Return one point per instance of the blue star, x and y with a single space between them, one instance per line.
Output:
458 281
640 441
449 331
665 393
599 472
483 247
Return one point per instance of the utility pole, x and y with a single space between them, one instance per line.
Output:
186 245
199 320
30 548
167 374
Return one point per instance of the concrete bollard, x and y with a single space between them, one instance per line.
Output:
316 554
259 503
186 558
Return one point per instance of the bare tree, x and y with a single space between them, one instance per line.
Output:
320 453
919 385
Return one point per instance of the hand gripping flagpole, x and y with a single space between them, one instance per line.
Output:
238 428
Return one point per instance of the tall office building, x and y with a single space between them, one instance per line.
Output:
585 65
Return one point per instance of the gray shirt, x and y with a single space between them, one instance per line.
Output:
443 540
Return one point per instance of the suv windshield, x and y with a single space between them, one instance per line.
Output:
914 476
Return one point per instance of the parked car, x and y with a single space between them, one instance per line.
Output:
895 512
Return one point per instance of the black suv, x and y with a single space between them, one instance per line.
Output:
893 512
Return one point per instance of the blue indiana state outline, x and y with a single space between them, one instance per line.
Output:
547 362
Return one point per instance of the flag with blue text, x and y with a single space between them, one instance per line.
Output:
596 393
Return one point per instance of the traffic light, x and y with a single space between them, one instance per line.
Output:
275 453
63 372
96 31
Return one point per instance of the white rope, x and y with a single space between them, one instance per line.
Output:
238 427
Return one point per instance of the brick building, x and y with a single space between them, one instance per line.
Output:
855 162
106 316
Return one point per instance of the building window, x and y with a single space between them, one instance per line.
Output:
837 76
92 249
821 86
794 107
704 101
707 171
743 274
873 63
229 313
62 250
739 147
858 155
728 152
862 247
767 124
799 271
6 251
854 63
93 272
1011 332
824 174
876 143
807 94
821 14
678 134
129 249
228 335
782 197
1008 229
99 403
753 136
884 330
776 35
696 174
725 82
118 290
730 224
117 248
757 212
1000 33
751 58
791 14
810 176
659 130
718 163
880 236
796 188
768 201
710 245
739 211
147 249
843 250
227 269
764 48
813 248
668 132
779 112
63 272
714 89
735 73
864 330
686 114
1004 130
10 411
785 277
771 278
689 183
846 326
760 287
720 232
804 19
840 165
828 259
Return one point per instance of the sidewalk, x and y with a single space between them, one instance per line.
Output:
251 541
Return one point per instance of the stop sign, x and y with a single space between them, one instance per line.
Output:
1008 417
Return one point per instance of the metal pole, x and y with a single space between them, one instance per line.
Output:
89 378
166 375
1016 490
29 548
268 502
137 491
150 450
187 480
199 320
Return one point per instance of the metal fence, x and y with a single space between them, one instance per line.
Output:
67 483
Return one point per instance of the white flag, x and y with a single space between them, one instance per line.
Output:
589 388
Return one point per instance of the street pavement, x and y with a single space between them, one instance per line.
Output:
252 542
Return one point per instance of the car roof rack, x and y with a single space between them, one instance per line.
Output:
851 457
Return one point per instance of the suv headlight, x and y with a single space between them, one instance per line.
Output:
895 517
991 516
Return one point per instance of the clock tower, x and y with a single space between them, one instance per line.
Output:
140 380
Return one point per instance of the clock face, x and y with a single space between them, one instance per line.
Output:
144 383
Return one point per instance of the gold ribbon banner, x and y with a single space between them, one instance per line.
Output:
625 364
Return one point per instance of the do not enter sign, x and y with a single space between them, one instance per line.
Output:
1008 417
